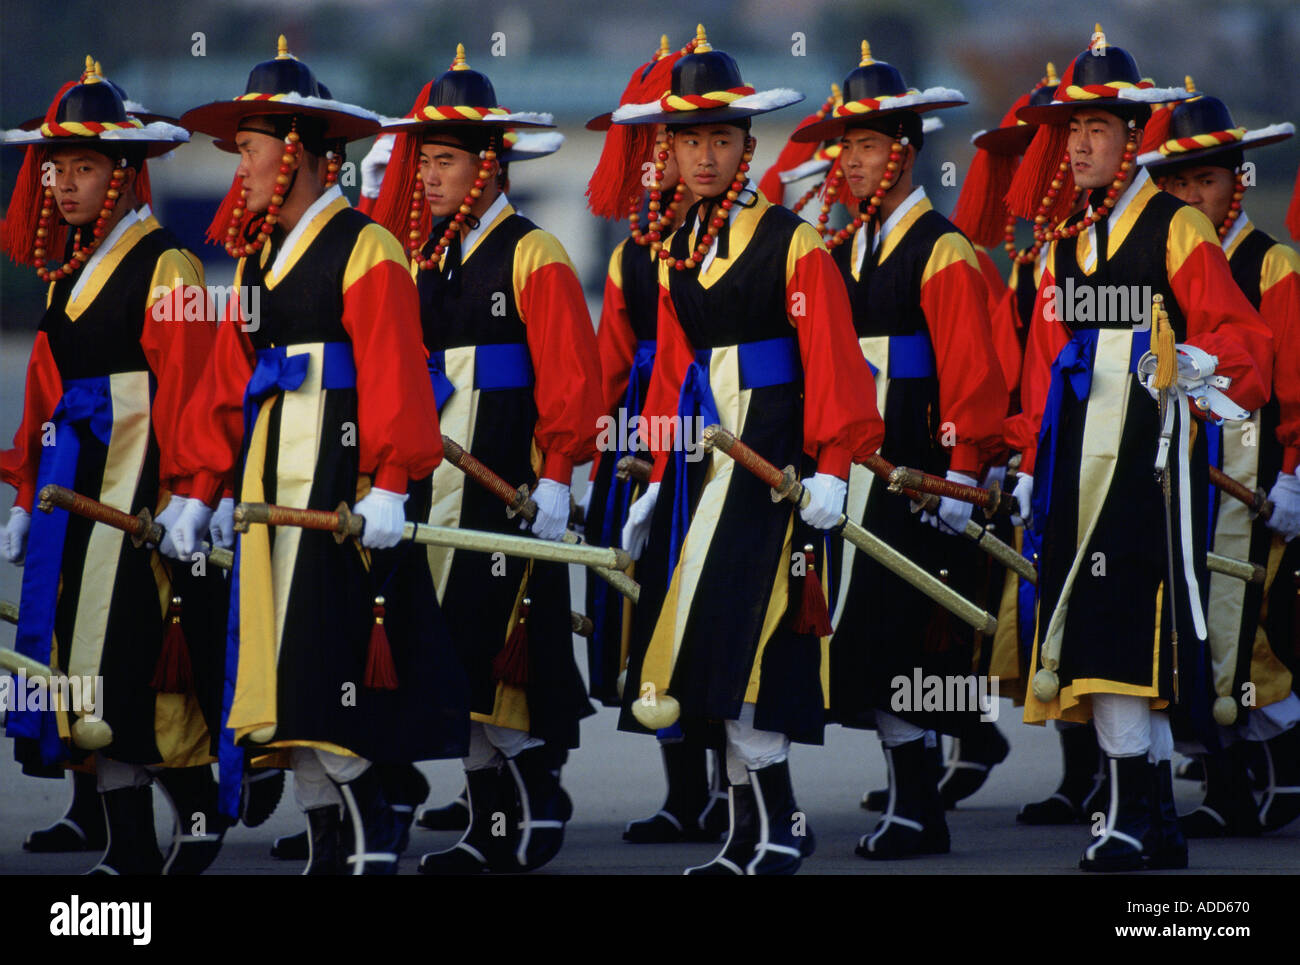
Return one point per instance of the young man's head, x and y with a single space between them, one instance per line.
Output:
449 168
260 142
81 178
708 155
1207 186
865 147
1097 140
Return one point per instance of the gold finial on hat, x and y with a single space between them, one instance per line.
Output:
282 49
1189 84
1098 38
664 49
866 55
837 94
701 40
460 63
91 74
1051 74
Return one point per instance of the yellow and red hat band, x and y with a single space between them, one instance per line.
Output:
1196 142
871 104
458 113
1096 91
88 128
699 102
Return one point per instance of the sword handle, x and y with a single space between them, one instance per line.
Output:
8 611
632 467
582 625
1258 502
992 500
784 483
342 522
141 528
882 467
517 501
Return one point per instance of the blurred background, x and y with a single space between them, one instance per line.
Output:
573 59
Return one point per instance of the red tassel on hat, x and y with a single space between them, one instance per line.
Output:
1293 212
173 674
812 615
143 189
792 155
380 674
1157 130
510 666
392 208
216 233
981 211
18 235
1040 165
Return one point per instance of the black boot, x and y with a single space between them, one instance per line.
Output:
713 820
325 841
783 831
878 799
449 817
263 787
291 847
488 841
970 759
913 821
1229 808
686 772
405 788
82 826
1128 819
376 830
1164 847
543 807
1281 802
1080 790
198 827
132 847
742 835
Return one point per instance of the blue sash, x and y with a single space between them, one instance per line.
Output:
773 361
276 371
910 357
86 406
1213 439
505 366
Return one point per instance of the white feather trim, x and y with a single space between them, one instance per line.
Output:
1273 130
807 169
157 131
1149 95
328 105
630 112
931 124
135 107
518 117
763 100
931 95
540 142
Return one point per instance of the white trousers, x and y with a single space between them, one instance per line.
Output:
111 775
490 744
1128 727
314 774
751 749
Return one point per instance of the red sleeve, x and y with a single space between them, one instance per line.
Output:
615 340
18 465
1046 339
673 356
1220 319
841 424
366 205
211 427
177 347
396 413
972 393
566 361
1279 305
1005 322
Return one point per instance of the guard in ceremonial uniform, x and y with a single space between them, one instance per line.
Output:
920 310
753 334
695 807
113 362
1201 162
1121 629
514 366
317 394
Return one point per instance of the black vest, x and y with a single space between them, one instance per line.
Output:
1247 262
640 289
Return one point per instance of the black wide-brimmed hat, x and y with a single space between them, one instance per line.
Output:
283 85
706 88
875 89
1012 136
1201 128
1102 76
93 111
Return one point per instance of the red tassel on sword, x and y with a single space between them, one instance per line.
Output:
381 674
173 674
812 615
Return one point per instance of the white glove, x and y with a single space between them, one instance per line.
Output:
382 510
15 535
1024 496
1285 498
374 164
190 528
552 499
222 527
637 528
167 519
953 513
826 505
997 474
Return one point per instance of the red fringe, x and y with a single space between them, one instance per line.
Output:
173 674
216 233
143 187
393 206
510 666
1034 176
18 233
792 155
1293 217
380 674
1157 130
981 211
812 615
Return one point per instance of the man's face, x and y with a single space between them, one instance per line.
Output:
80 184
1096 147
259 165
1207 189
708 157
448 173
863 157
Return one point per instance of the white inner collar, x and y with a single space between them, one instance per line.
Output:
860 239
291 239
731 218
1237 228
102 250
476 234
